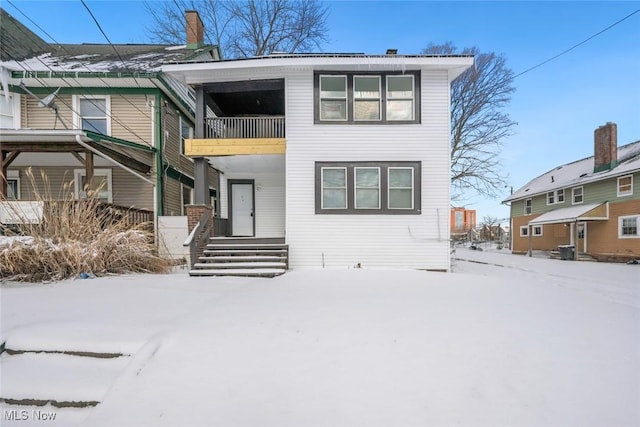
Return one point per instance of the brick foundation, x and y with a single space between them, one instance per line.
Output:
194 212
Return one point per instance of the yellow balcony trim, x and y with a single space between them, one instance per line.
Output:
231 147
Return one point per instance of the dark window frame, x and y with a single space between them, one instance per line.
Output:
383 189
350 120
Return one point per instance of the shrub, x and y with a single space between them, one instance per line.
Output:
74 237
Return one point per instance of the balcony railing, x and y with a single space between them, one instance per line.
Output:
244 127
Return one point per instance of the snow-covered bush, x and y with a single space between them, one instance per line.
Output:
74 237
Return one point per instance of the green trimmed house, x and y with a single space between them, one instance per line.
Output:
77 119
587 209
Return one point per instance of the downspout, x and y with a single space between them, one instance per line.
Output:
115 162
159 162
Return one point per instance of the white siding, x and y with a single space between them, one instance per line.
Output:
269 193
398 241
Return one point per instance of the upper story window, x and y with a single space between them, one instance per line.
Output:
368 187
333 98
186 132
555 197
625 186
577 195
9 111
400 98
527 207
93 113
367 98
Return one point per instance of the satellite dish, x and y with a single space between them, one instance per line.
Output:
48 102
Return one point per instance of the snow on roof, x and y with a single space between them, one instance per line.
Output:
573 213
580 172
102 58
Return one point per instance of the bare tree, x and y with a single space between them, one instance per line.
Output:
478 122
242 28
490 227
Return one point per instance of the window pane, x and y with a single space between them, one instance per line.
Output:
333 87
334 198
624 184
367 110
99 187
367 188
400 199
560 196
6 122
629 226
400 178
400 86
95 125
399 110
12 189
6 105
93 108
366 87
333 110
367 177
334 178
367 198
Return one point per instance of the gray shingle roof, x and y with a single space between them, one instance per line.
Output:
580 172
17 42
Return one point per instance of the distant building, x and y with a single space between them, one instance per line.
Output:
591 204
462 220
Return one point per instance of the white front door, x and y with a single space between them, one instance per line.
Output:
242 209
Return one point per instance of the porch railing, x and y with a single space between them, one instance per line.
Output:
244 127
20 212
220 227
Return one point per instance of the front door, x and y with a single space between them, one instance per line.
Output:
242 215
581 241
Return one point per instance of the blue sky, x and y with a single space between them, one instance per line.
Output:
557 106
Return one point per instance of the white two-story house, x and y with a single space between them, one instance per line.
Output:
344 157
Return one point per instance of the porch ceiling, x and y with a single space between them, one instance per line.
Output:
64 141
254 164
588 212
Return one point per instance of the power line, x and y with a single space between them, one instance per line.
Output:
579 44
80 88
107 38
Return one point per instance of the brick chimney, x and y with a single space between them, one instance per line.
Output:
195 30
605 147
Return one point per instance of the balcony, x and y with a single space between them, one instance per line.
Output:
227 136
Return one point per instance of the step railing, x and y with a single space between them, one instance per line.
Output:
199 237
244 127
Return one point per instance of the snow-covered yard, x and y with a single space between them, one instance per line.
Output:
505 340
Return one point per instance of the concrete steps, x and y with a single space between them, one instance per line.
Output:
60 379
252 257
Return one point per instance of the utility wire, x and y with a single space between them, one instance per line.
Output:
579 44
63 47
107 38
80 87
